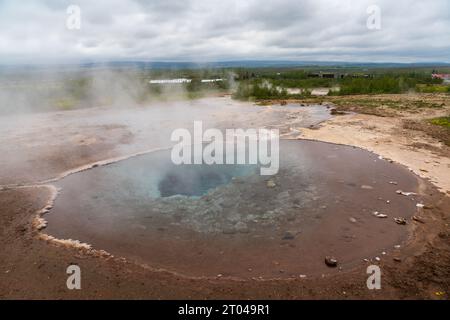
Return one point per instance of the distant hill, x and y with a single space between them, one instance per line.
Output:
144 65
256 64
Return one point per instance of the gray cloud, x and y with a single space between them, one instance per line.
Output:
197 30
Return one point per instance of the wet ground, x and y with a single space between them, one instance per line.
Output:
48 145
36 147
231 221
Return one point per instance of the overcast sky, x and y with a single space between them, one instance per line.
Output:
210 30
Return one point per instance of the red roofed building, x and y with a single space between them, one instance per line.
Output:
442 76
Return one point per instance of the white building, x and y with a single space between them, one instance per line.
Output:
211 80
170 81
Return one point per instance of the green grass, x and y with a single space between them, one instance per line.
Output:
442 121
432 88
65 104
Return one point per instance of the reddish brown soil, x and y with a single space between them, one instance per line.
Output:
32 268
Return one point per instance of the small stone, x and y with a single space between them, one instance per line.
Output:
397 246
288 236
397 259
241 227
229 231
379 215
420 205
417 219
331 262
393 182
352 220
335 112
377 259
401 221
366 187
271 184
407 194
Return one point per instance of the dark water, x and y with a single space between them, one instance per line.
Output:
197 180
227 219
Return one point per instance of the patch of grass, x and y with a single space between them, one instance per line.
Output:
438 128
424 104
65 104
442 121
432 88
383 106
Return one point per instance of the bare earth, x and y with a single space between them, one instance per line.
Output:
386 136
31 267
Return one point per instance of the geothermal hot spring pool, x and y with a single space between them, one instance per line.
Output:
200 220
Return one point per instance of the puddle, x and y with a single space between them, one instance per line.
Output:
203 220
